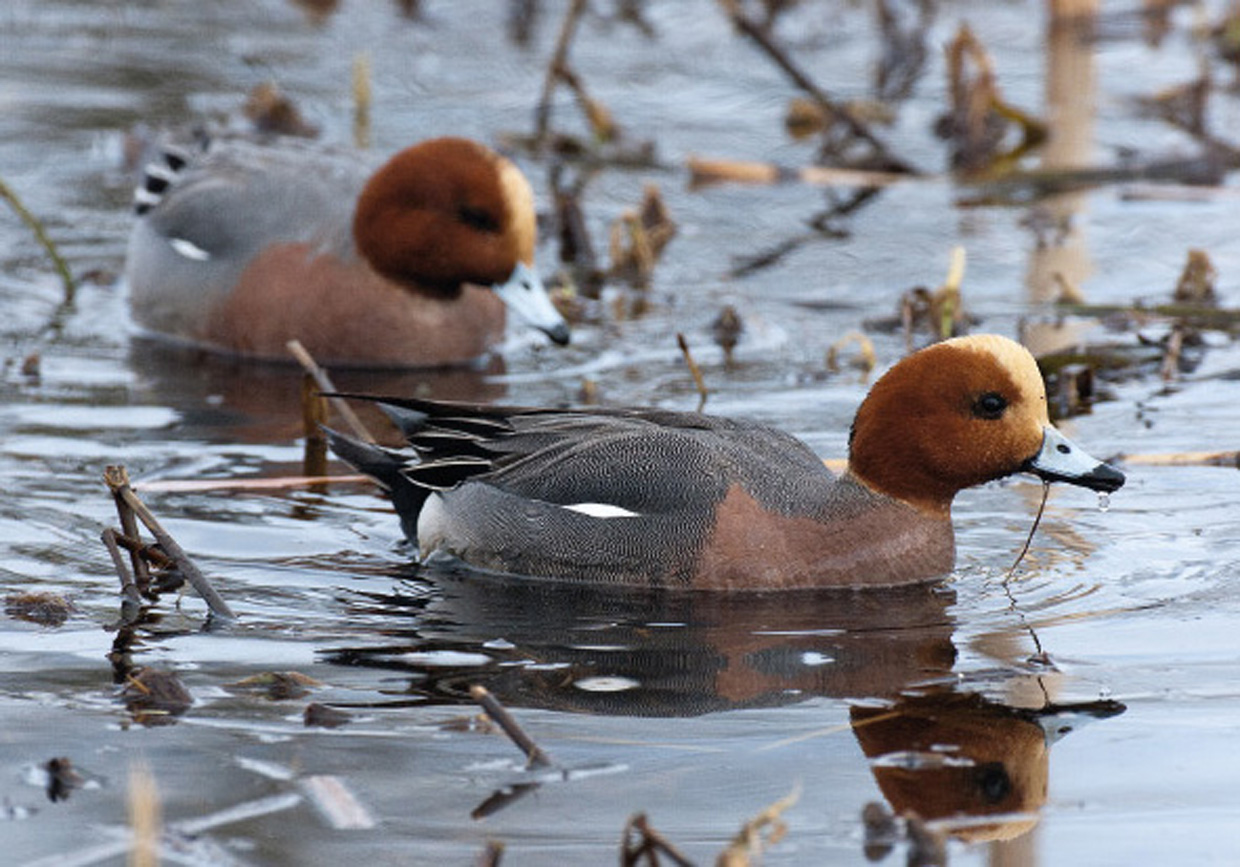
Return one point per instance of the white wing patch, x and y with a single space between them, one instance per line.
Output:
189 250
602 510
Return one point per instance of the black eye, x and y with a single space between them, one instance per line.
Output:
990 406
993 782
478 218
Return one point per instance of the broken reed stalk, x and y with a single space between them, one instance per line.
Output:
306 360
499 714
129 590
144 817
742 22
555 67
704 171
36 226
129 529
313 418
361 100
648 845
694 370
118 482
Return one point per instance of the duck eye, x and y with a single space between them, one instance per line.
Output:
478 218
990 406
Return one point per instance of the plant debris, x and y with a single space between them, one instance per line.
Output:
325 716
155 697
278 685
41 607
978 121
62 779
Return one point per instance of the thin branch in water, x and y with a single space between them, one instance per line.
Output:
502 718
306 360
640 840
559 62
35 226
118 482
1046 489
694 370
1040 656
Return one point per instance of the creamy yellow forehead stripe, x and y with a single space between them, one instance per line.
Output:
1016 359
519 199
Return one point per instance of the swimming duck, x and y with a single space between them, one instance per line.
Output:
676 499
243 245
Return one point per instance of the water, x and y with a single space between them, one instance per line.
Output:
1084 712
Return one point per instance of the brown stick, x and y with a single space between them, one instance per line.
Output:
306 360
118 482
559 61
129 528
497 712
694 370
703 171
195 485
650 843
40 234
313 417
129 590
732 8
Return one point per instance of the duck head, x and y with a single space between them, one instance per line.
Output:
451 211
960 413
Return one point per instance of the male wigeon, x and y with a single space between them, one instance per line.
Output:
676 499
242 245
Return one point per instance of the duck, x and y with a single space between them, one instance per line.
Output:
241 245
666 499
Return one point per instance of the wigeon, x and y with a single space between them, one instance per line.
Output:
676 499
241 246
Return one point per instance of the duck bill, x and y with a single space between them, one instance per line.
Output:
1061 460
526 296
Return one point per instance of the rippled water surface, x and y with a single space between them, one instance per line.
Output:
1086 713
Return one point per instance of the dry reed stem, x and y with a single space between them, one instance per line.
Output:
118 482
502 718
36 226
306 360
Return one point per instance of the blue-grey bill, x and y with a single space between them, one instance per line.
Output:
526 296
1061 460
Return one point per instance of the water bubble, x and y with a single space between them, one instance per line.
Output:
1104 502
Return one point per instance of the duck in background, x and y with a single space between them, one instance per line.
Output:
242 245
651 497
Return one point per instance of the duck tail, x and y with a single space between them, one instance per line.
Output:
387 467
171 158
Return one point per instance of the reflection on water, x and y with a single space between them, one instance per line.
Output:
960 756
261 403
938 748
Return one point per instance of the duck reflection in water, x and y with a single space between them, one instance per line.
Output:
938 750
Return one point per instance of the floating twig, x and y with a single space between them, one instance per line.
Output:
704 170
306 360
749 841
336 803
535 756
694 370
640 841
144 816
118 482
40 234
271 484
